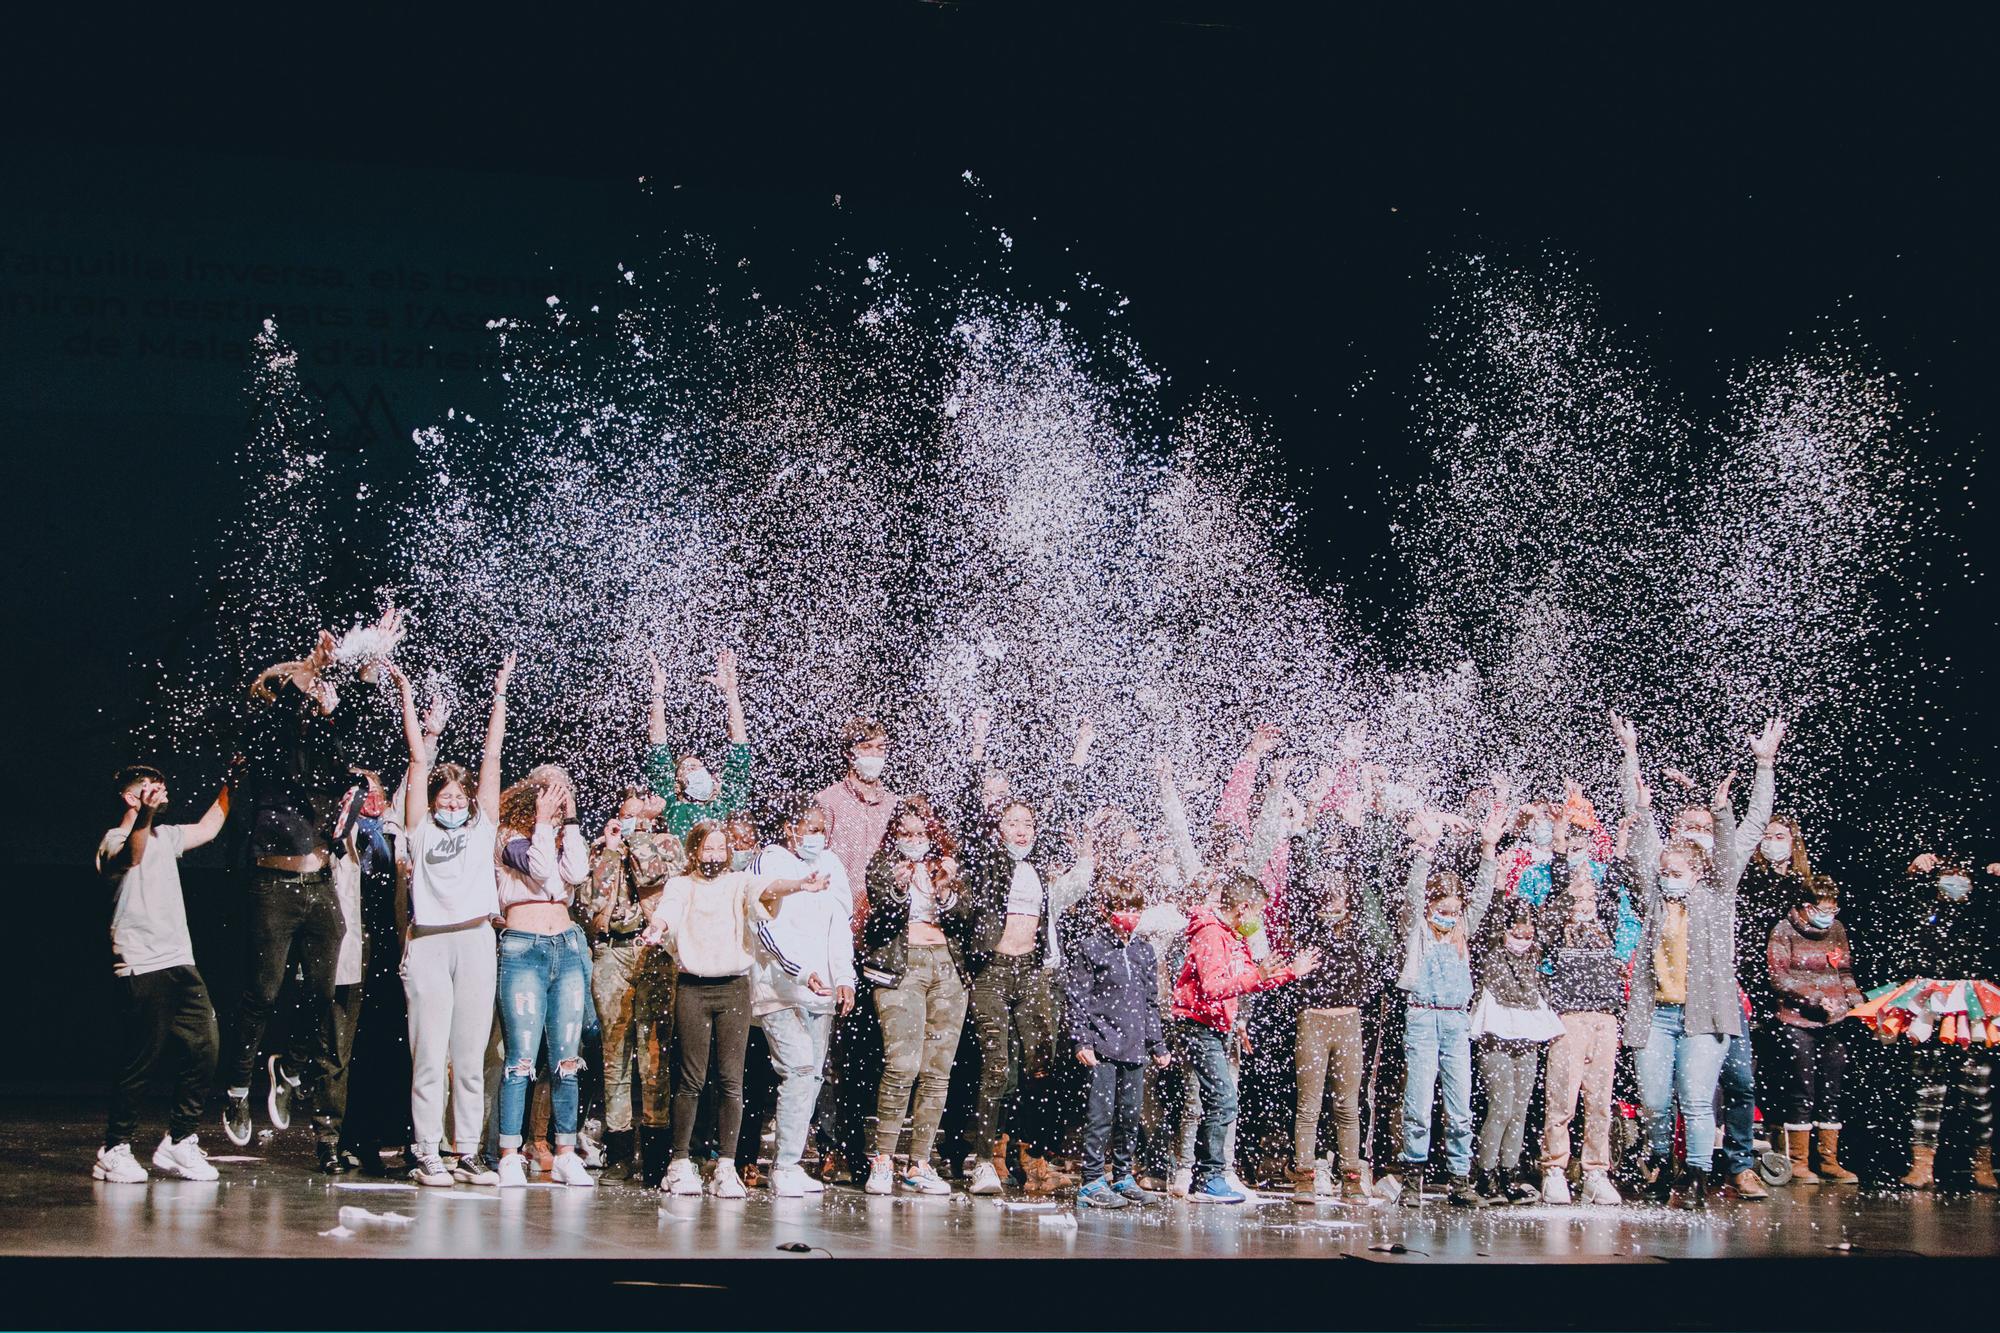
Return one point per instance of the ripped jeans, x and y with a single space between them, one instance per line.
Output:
544 987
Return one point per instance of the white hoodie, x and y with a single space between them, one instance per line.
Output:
812 933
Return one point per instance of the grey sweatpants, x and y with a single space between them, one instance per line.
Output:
1507 1068
449 978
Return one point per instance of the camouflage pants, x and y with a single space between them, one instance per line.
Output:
634 990
921 1018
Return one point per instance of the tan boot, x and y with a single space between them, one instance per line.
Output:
1982 1172
1000 1166
1041 1180
1830 1169
1921 1160
1749 1186
1798 1146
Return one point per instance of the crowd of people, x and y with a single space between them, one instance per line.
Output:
1005 990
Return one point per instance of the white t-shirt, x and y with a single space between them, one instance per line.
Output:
149 929
452 876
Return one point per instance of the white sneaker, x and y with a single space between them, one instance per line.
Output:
184 1159
431 1170
1183 1182
1235 1182
1597 1188
471 1169
881 1175
590 1150
985 1180
789 1182
924 1179
513 1171
682 1180
813 1184
118 1166
570 1170
1555 1187
725 1183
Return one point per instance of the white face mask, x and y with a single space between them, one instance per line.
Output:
811 845
1701 838
698 785
1516 944
740 859
1579 860
1955 887
1541 832
868 767
1019 850
1676 886
914 849
1777 851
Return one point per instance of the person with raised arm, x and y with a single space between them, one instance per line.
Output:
293 781
544 972
450 966
1438 924
1586 988
694 794
1685 1003
1011 950
165 1020
708 917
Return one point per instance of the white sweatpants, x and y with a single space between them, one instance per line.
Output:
449 978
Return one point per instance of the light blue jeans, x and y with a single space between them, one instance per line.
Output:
544 991
1437 1046
798 1040
1675 1063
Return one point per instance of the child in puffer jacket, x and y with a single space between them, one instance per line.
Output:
1114 1028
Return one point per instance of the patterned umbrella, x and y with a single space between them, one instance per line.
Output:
1964 1012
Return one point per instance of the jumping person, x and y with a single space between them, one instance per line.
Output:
165 1019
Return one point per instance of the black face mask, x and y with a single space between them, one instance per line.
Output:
711 869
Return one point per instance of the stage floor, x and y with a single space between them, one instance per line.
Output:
275 1207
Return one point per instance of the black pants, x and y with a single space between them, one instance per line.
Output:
376 1101
162 1016
710 1010
1810 1064
848 1097
291 917
1011 996
1117 1097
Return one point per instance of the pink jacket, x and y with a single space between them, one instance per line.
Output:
855 827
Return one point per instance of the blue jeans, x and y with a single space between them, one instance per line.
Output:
1677 1063
1739 1107
1437 1045
1208 1051
544 991
798 1040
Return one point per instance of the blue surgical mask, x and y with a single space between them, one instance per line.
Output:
740 860
1676 886
451 818
1443 922
1955 887
1541 832
1819 920
811 845
1019 850
627 825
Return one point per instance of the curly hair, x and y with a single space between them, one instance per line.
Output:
519 803
943 844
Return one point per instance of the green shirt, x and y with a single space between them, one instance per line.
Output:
682 814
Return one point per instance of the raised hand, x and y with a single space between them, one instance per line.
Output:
659 673
1282 769
1722 787
1926 863
1678 778
1496 819
1626 733
505 672
724 678
1353 740
1765 744
1645 801
549 803
1263 740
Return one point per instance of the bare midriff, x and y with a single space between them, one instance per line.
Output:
1017 937
539 918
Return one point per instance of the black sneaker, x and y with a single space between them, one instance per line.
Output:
236 1120
1411 1178
1490 1186
1693 1193
279 1100
1659 1178
1517 1189
1463 1195
336 1161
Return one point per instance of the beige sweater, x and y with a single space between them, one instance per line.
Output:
711 924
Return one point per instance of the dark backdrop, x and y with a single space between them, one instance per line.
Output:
1269 189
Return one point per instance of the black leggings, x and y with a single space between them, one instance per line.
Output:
1811 1061
710 1009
